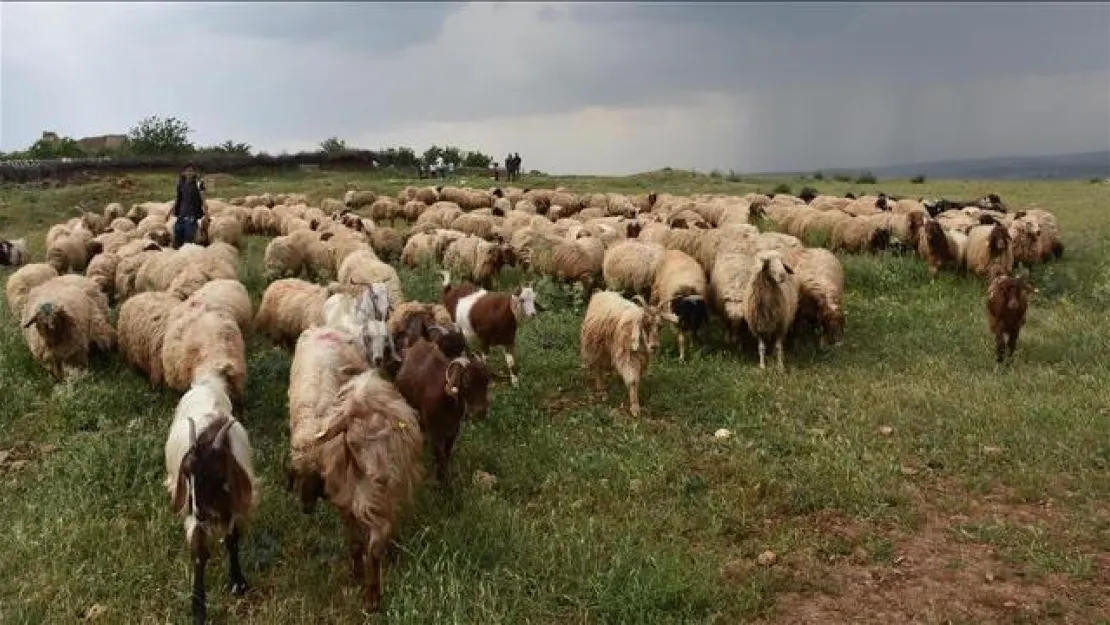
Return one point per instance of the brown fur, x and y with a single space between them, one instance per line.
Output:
1007 303
443 392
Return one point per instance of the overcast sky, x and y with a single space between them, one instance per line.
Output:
575 87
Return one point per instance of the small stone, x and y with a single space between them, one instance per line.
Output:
886 430
485 481
722 434
1010 604
635 485
989 576
991 450
95 611
767 558
908 470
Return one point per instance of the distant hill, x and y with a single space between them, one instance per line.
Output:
1080 166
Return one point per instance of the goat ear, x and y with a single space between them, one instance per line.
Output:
240 486
181 489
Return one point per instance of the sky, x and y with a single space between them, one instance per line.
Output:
575 88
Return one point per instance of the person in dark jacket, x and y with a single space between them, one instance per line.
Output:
188 207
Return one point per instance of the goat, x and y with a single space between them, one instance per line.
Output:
490 318
444 392
210 478
1007 302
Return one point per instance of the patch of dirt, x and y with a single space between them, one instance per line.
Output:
931 576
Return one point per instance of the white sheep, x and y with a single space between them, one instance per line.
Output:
770 303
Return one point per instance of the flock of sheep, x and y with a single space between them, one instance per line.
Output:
376 375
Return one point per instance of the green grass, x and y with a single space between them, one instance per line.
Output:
599 518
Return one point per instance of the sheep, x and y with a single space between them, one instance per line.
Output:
228 296
770 303
354 199
283 259
867 233
728 282
197 274
988 246
362 268
13 253
444 391
490 318
1023 241
102 271
387 243
220 228
22 281
290 306
580 261
71 250
127 272
264 222
355 440
680 286
1007 302
820 278
630 265
475 259
618 334
200 340
62 319
210 479
141 327
941 248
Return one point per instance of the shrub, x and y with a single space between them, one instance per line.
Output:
782 189
918 179
866 178
842 178
818 175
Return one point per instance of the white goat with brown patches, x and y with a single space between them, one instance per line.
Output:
770 303
210 479
621 335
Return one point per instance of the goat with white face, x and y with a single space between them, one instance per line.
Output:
364 317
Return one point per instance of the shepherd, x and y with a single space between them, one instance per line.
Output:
188 207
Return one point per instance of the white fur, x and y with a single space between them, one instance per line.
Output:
205 401
527 299
462 313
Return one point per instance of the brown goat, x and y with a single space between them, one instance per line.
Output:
1007 302
444 392
490 318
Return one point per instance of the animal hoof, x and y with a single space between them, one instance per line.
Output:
238 588
515 381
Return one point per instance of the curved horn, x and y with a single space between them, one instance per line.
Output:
453 387
639 299
221 436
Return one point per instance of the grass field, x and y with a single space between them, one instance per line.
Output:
898 478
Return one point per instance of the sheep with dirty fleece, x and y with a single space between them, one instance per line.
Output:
21 282
770 303
363 267
630 266
355 441
63 319
680 287
141 329
290 306
820 279
200 340
210 478
620 335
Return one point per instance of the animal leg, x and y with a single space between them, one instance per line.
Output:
510 360
374 584
779 355
633 396
999 347
198 546
443 447
356 543
681 345
1011 343
237 583
762 354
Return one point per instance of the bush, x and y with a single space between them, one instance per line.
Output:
918 179
818 175
866 178
842 178
782 189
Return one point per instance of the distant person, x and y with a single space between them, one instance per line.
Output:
440 168
494 173
509 166
451 168
516 164
188 206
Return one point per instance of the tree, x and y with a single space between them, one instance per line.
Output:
431 154
477 159
333 145
65 147
157 136
230 147
451 154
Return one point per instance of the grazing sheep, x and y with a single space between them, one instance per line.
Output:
62 319
355 441
1007 302
728 282
200 340
475 259
770 303
363 268
444 391
127 273
71 250
354 199
387 243
630 265
580 261
228 296
820 278
681 287
22 281
289 307
102 271
988 246
210 479
941 248
13 253
141 328
618 334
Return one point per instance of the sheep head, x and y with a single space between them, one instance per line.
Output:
999 240
51 321
771 264
525 304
